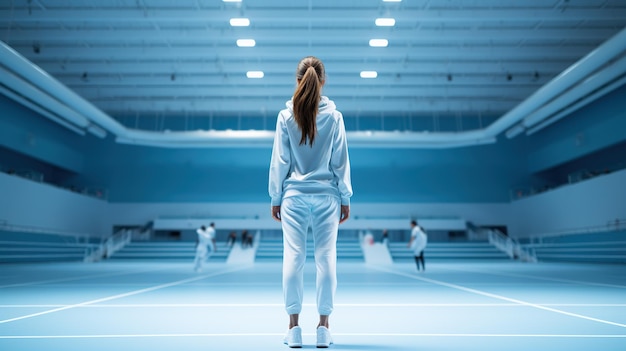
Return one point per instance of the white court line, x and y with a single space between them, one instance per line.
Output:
140 291
478 292
402 305
444 335
92 276
515 275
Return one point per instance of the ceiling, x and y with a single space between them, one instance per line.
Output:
148 62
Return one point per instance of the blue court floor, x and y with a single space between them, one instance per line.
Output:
454 305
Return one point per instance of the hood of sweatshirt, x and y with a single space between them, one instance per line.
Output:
325 106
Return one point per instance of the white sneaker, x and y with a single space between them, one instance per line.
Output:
323 337
293 338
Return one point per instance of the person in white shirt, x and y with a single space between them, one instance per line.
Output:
205 245
418 243
309 186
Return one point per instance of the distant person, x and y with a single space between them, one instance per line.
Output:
310 187
417 244
244 239
250 240
368 238
205 245
232 239
385 237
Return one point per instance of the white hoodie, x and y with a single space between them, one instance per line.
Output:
301 169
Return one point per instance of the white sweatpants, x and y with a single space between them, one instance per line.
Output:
321 213
202 254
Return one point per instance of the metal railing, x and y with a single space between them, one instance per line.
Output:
110 245
75 236
523 191
510 246
38 177
56 243
610 226
599 243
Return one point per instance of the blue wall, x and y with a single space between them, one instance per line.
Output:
144 174
595 127
47 208
423 182
34 136
591 203
479 174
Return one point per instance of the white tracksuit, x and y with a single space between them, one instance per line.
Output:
205 246
419 240
310 184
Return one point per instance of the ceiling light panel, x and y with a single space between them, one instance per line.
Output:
385 22
379 43
369 74
255 74
246 43
239 22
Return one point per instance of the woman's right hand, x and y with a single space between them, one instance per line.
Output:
345 213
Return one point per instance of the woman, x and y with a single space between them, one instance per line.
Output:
418 243
309 184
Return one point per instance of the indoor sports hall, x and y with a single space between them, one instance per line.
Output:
138 143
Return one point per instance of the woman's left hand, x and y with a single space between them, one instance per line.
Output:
345 213
276 213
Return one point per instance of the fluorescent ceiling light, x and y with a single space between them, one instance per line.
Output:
255 74
369 74
385 22
381 43
383 0
236 0
239 22
246 43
